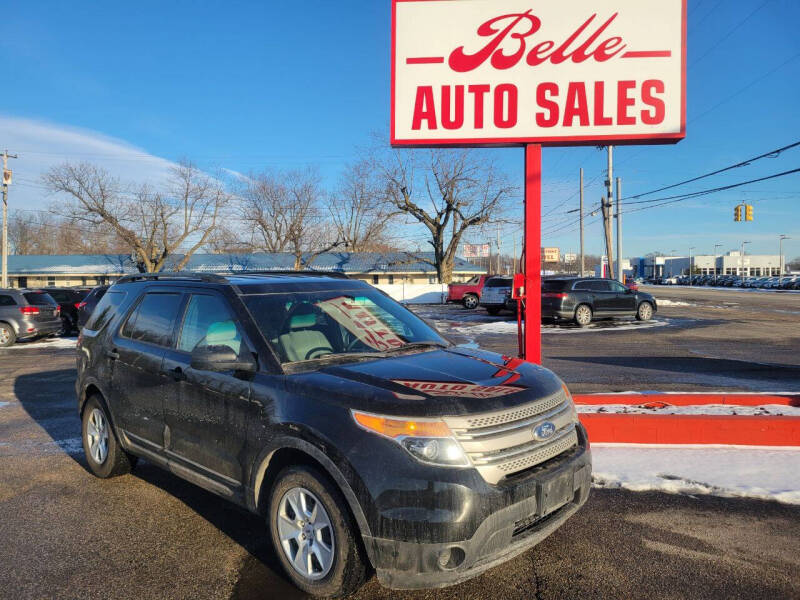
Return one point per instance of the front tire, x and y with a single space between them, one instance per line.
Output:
105 456
583 315
644 312
7 335
470 301
314 535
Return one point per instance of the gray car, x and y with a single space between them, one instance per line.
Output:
27 314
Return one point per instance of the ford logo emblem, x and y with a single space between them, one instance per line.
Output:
544 431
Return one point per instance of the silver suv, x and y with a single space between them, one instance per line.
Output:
27 314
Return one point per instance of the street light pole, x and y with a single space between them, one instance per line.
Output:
741 261
715 261
690 264
780 260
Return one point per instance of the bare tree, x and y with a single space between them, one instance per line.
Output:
284 212
449 192
359 210
44 233
153 224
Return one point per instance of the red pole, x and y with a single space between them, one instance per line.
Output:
533 253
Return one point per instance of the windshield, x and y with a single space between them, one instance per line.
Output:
498 282
305 326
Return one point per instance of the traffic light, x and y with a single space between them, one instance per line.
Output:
748 213
737 213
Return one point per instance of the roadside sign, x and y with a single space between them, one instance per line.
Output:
476 250
512 72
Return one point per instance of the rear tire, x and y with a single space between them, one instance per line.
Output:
327 574
105 456
7 335
470 301
583 315
644 312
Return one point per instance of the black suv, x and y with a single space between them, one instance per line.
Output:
362 436
581 300
69 299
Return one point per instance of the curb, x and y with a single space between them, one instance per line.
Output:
743 430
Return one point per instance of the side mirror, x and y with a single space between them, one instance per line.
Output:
220 358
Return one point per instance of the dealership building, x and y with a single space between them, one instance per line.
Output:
387 268
730 263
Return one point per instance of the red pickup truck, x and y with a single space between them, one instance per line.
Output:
469 293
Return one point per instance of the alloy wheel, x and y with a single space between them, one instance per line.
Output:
645 312
97 436
306 533
5 336
583 315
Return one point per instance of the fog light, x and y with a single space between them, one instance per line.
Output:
451 558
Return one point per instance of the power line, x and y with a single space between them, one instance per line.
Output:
730 33
744 163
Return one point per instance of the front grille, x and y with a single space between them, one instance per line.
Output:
502 443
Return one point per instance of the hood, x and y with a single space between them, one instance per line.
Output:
452 381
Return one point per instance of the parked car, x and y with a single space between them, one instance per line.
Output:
582 300
27 314
497 295
362 437
469 293
68 301
86 306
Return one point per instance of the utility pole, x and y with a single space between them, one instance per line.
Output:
581 219
514 258
607 208
620 270
690 265
610 211
4 250
499 266
780 260
741 261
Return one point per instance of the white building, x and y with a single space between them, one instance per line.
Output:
731 263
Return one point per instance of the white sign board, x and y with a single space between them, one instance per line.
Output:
561 72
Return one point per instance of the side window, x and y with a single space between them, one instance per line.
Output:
104 310
153 319
58 295
7 301
600 286
583 285
209 322
616 286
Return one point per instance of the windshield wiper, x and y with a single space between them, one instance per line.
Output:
418 345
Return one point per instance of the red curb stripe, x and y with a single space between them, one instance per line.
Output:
692 429
690 399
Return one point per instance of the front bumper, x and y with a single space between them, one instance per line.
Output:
554 493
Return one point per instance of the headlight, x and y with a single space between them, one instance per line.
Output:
571 401
428 441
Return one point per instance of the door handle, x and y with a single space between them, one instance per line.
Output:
112 354
177 374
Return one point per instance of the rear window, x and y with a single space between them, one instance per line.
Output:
497 282
60 295
554 286
105 310
7 301
39 299
154 319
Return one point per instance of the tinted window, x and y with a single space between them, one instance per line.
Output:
209 322
105 310
7 301
497 282
555 286
599 286
153 319
583 285
59 295
616 286
39 299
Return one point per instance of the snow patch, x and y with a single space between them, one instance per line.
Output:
67 343
667 302
29 447
769 474
510 327
2 404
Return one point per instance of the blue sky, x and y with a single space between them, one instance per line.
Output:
248 85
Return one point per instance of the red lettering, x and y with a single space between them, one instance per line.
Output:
462 62
479 91
609 49
506 100
546 104
650 87
424 108
449 122
624 101
538 53
599 96
561 54
576 105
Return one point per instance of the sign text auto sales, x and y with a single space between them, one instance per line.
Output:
517 71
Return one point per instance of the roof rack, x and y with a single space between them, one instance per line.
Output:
172 276
283 273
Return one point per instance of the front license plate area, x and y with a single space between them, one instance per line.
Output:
555 493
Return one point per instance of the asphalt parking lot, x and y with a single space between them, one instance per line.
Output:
66 534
